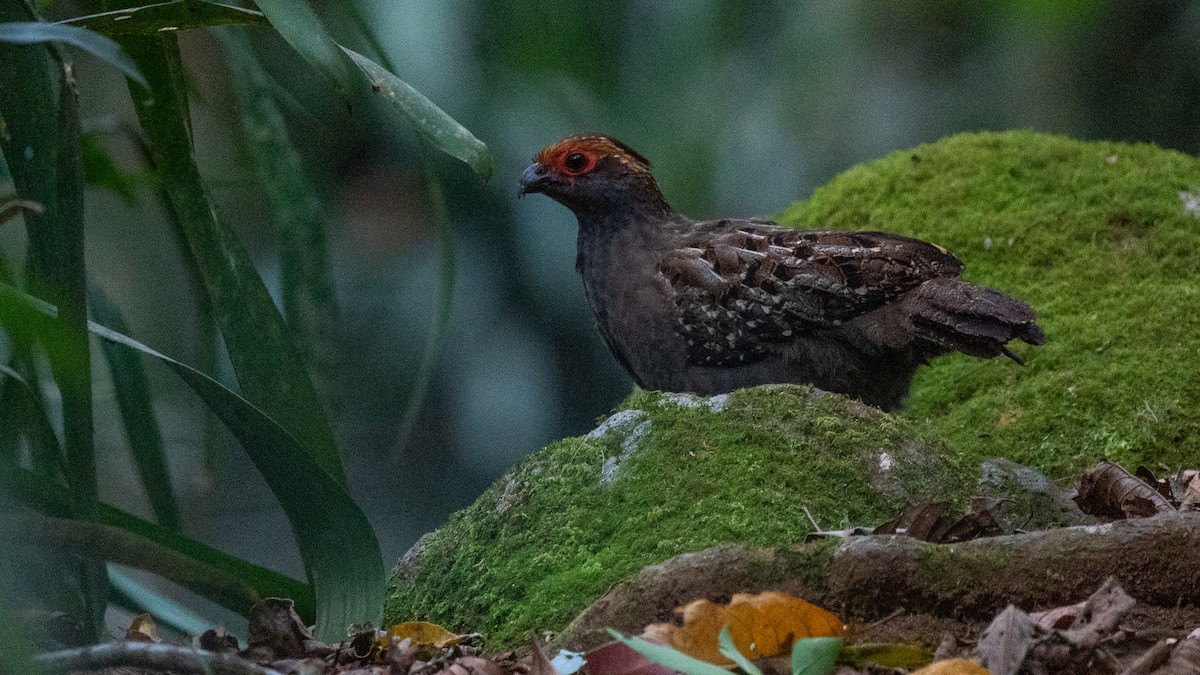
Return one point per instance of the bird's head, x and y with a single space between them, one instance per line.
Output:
593 174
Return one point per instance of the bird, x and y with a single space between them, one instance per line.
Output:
707 307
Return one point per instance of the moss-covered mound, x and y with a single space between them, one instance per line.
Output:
1103 240
666 475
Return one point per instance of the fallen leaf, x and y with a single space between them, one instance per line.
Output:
1109 490
615 658
1005 642
763 625
889 656
1101 614
1185 487
667 656
421 633
928 521
1185 659
539 663
142 629
1059 618
953 667
276 631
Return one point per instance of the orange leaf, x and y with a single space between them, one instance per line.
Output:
761 626
953 667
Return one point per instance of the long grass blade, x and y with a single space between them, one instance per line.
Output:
264 356
136 404
439 128
47 497
177 15
41 144
300 26
307 283
142 598
335 539
34 32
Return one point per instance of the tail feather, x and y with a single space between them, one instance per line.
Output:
951 315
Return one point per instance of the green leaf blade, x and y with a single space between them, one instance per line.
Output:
136 405
300 26
335 538
668 657
815 655
439 128
35 32
163 16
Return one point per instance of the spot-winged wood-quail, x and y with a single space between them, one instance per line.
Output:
712 306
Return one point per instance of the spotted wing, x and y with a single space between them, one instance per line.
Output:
743 288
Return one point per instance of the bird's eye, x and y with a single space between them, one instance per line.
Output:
576 162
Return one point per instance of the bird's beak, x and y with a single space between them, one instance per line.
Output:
534 179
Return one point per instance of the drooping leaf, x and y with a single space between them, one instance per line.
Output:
136 404
307 283
171 612
336 542
34 32
668 656
440 129
174 16
300 26
815 655
114 544
45 496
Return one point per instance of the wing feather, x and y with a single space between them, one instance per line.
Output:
745 287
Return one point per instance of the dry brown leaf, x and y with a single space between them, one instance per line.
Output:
1059 618
1005 642
1101 614
953 667
1184 660
1109 490
539 663
761 626
1185 486
142 629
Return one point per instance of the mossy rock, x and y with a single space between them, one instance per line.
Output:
1103 240
666 475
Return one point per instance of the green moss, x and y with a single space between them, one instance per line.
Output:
551 536
1096 237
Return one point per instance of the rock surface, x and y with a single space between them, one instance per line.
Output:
666 475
